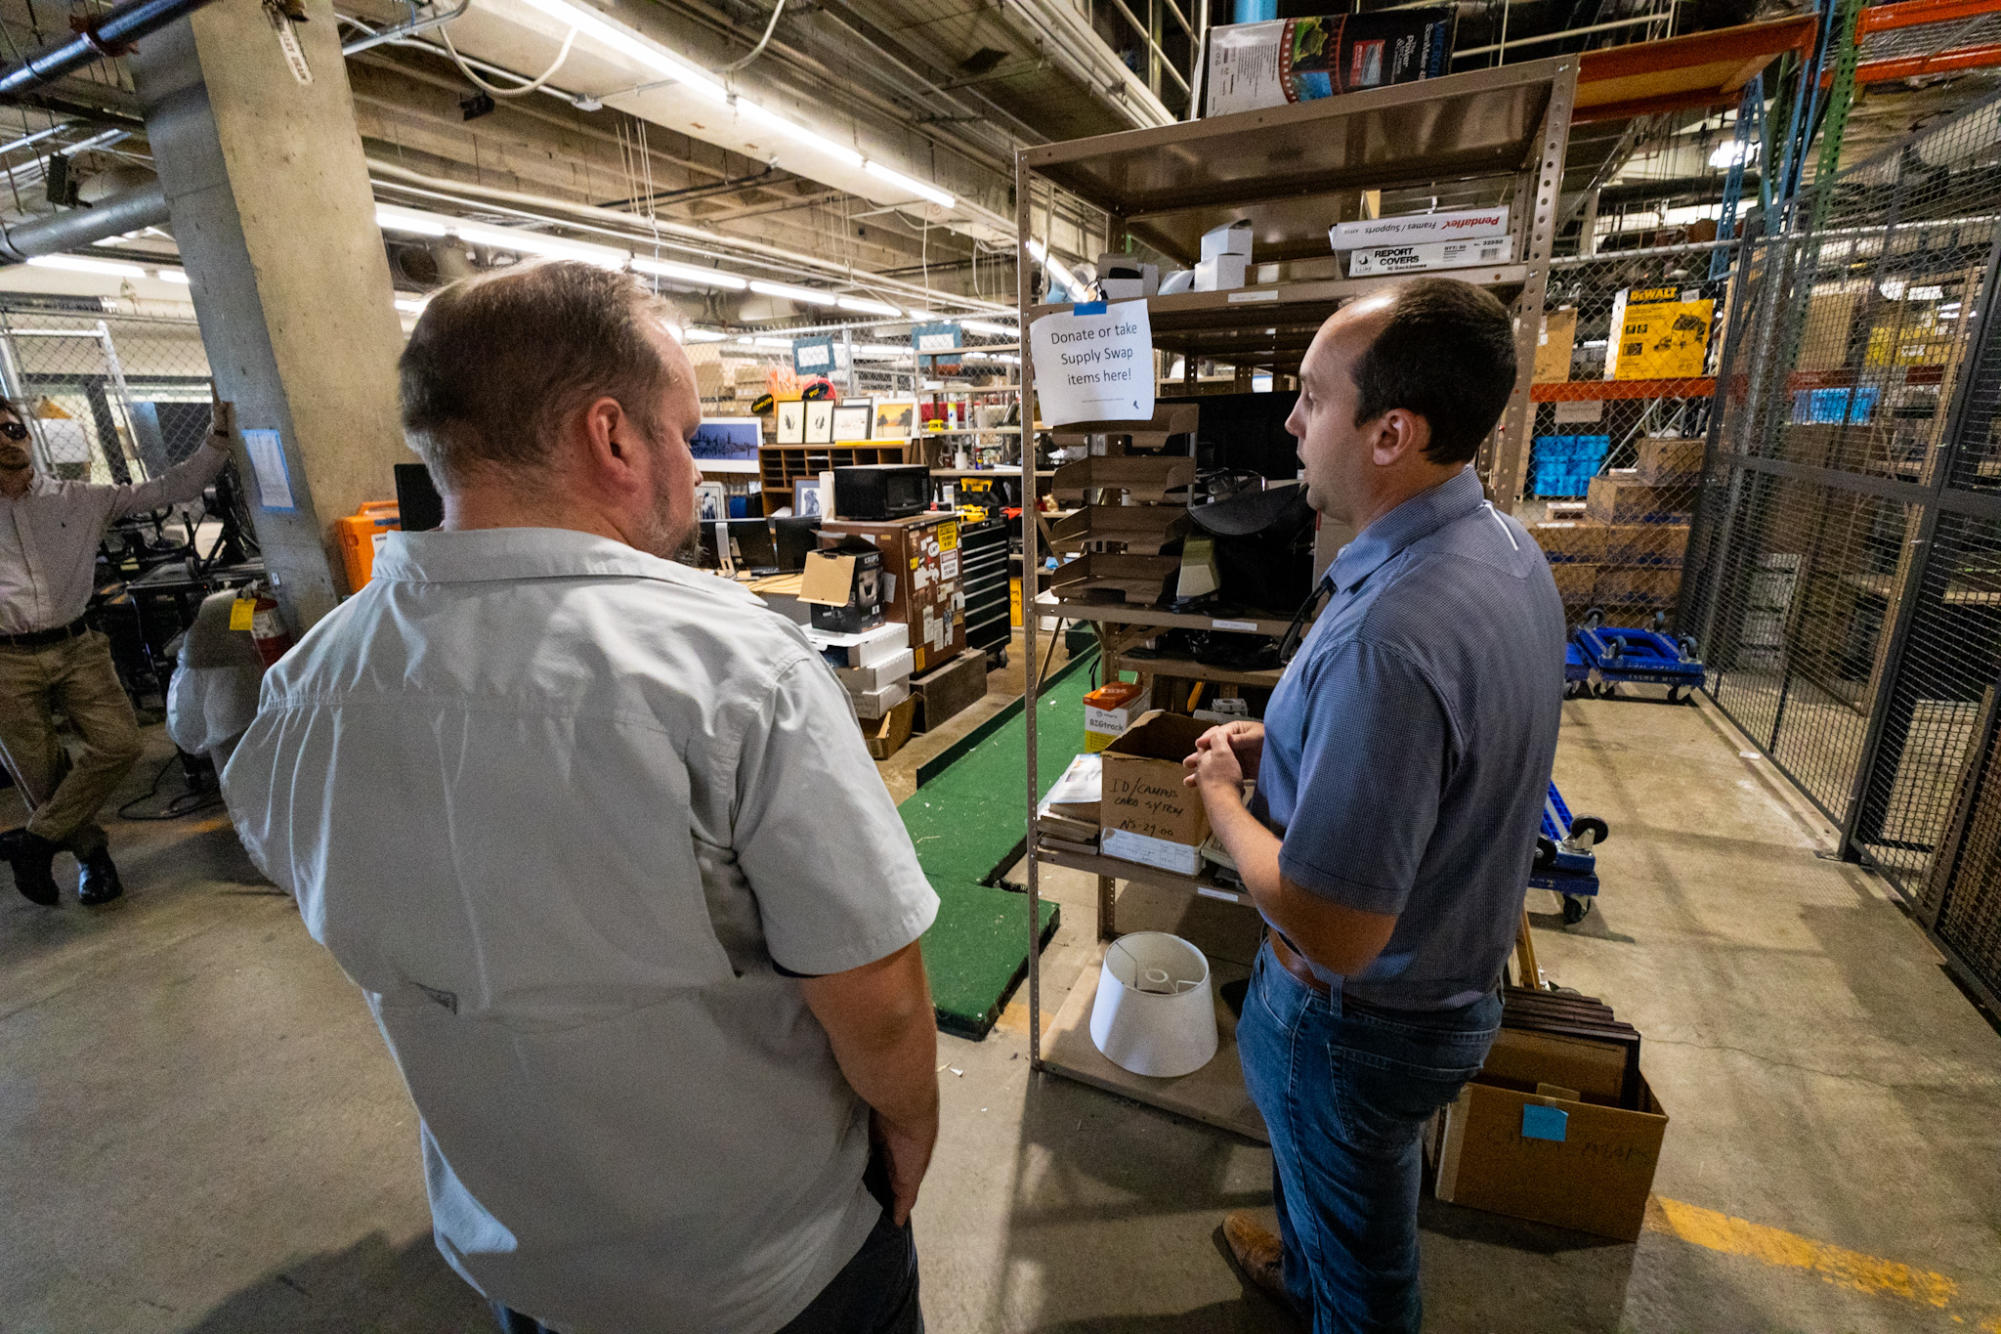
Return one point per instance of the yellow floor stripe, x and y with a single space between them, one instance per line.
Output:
1832 1264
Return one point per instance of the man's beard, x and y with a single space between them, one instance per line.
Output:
662 536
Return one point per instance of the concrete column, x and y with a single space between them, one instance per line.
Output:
270 203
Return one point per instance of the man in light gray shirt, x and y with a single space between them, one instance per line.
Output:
597 837
49 533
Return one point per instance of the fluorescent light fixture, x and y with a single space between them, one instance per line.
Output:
1053 267
866 306
882 351
799 134
785 291
688 273
1892 288
524 242
79 264
703 335
1927 294
785 343
617 37
410 221
919 188
982 327
179 276
413 304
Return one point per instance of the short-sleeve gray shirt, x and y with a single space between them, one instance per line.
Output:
561 809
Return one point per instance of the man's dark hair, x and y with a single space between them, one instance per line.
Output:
496 362
1446 351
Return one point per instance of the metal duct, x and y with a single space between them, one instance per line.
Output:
121 213
101 37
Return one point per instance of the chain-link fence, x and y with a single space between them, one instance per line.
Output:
110 398
1625 376
1847 591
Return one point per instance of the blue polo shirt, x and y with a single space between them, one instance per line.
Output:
1408 745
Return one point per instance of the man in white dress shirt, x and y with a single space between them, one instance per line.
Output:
49 534
597 836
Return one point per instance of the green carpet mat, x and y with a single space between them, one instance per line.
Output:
967 819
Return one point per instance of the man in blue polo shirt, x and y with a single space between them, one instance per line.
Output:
1400 777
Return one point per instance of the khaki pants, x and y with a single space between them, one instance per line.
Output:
63 794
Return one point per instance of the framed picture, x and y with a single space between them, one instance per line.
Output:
712 501
820 422
895 419
727 444
791 422
806 497
853 421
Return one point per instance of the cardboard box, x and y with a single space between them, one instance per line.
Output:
1670 461
1525 1058
1112 438
713 380
922 585
1149 816
871 705
1224 273
1570 540
1620 496
1576 581
891 731
1109 711
1270 64
843 587
878 674
1620 586
1555 346
1645 543
1420 228
1126 278
864 649
946 691
1552 1159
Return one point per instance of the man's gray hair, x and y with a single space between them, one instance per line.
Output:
497 362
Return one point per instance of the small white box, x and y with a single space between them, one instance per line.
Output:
1224 273
1123 278
876 675
1232 238
864 648
871 705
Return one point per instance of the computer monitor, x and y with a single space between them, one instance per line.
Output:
793 538
754 551
418 505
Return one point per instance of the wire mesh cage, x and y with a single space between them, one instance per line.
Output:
1624 380
110 398
1848 588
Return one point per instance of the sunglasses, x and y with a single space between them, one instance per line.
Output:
13 430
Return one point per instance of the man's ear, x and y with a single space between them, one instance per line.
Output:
608 434
1399 434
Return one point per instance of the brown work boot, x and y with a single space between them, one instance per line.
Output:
1258 1252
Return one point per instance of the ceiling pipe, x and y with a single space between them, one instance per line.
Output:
103 36
131 211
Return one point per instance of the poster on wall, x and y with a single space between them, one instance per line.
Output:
1663 334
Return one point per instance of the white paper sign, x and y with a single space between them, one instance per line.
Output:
1094 367
1130 847
1582 410
267 460
1435 255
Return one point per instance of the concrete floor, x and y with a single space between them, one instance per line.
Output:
200 1130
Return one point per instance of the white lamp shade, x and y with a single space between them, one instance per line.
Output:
1154 1014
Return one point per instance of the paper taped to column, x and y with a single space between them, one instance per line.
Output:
1093 363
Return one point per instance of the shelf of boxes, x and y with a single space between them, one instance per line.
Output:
1474 140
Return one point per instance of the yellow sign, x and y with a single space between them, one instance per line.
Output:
241 613
1662 337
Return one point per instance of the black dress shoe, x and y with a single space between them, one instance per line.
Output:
97 879
33 858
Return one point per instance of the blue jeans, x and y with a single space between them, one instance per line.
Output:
1345 1091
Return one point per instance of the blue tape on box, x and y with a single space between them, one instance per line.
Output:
1550 1123
1088 308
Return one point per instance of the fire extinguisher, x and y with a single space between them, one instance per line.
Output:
267 626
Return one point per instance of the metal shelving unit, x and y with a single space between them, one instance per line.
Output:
1486 138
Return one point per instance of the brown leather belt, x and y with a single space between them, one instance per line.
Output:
1294 962
43 638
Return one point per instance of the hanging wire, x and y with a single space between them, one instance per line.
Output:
762 42
495 89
